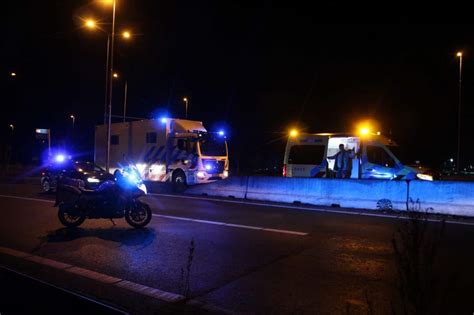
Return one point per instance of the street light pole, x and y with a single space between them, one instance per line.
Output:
186 101
125 101
109 118
106 78
73 121
458 162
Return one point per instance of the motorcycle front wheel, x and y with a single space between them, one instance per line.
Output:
70 218
138 215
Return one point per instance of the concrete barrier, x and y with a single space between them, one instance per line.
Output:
455 198
235 187
362 194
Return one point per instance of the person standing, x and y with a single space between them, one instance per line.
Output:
342 164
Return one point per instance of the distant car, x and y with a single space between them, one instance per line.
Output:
91 174
426 170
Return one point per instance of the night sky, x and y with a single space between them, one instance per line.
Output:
258 70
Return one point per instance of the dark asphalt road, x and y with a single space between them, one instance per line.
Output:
345 264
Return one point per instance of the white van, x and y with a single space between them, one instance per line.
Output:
306 155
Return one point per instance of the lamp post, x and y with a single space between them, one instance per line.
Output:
124 96
106 78
186 102
109 116
73 120
458 161
125 35
109 73
125 100
91 24
12 127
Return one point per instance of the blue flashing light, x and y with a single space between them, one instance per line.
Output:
131 177
208 167
221 133
164 120
60 158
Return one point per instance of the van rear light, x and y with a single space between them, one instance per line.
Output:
284 170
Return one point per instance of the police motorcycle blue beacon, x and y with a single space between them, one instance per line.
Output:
113 199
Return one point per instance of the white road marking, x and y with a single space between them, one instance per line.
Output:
261 204
378 215
27 198
249 227
97 276
188 219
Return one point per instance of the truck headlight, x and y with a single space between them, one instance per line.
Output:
157 169
425 177
93 180
201 174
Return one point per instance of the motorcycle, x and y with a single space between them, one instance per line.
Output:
111 200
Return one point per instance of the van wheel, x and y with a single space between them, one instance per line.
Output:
178 181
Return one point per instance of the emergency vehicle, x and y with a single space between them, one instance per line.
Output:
165 150
306 155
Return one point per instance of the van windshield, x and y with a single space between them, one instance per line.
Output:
398 152
213 147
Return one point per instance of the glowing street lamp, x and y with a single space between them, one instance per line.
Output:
115 75
13 74
73 120
294 133
126 35
90 23
364 131
12 127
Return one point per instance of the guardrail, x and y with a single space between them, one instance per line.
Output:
456 198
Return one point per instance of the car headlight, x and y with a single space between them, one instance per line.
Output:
226 173
424 177
93 180
201 174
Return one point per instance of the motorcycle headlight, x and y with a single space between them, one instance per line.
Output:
424 177
132 177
